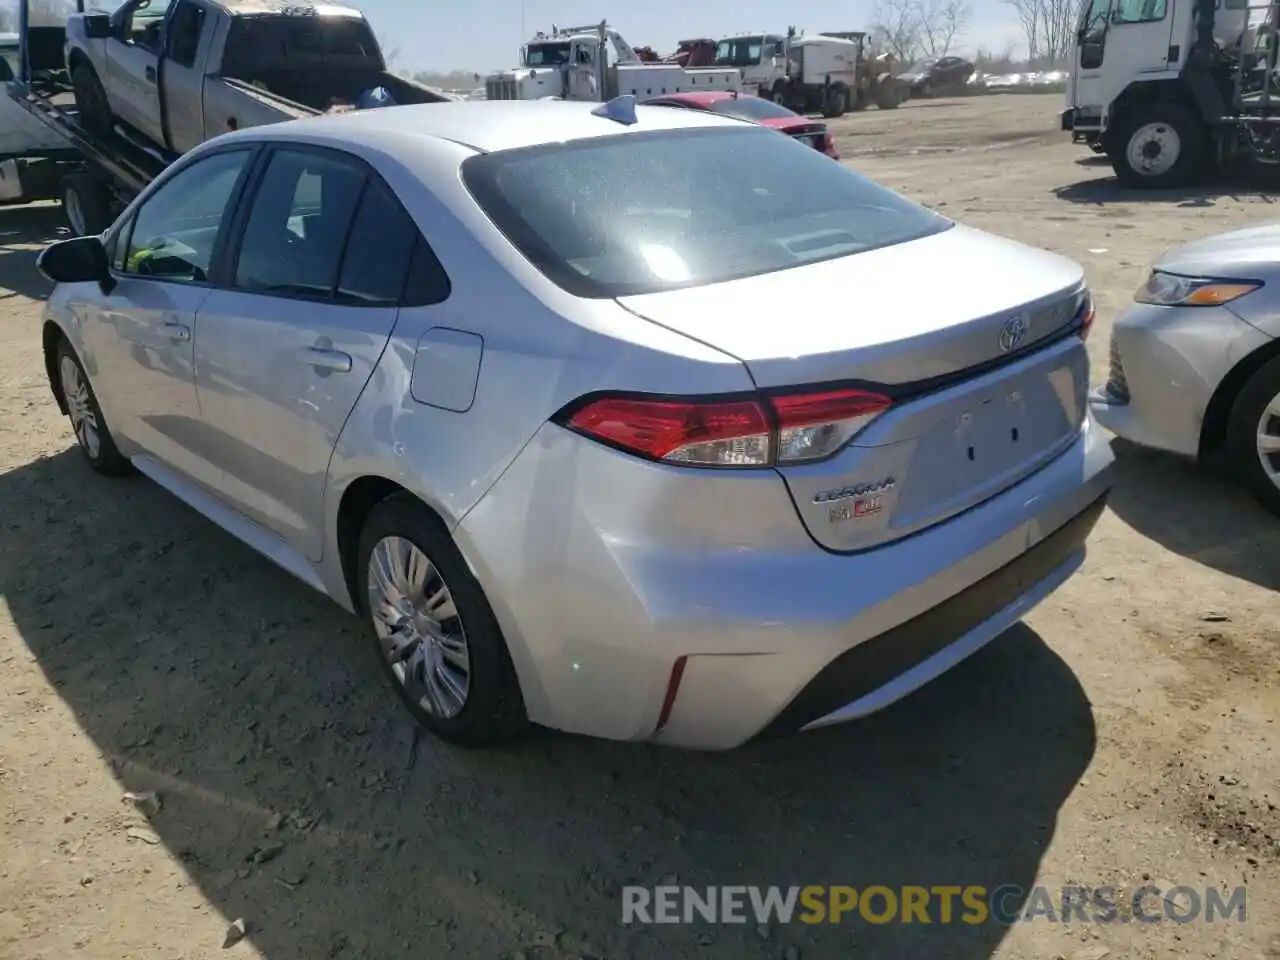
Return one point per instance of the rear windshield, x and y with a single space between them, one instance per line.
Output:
752 108
646 212
276 42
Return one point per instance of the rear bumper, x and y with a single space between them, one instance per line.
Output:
879 671
605 572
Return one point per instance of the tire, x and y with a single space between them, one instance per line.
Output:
491 709
1251 419
93 436
91 100
85 207
889 94
1169 136
835 103
779 94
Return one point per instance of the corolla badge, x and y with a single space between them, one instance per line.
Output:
856 501
1012 332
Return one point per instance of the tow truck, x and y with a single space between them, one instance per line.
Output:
1170 90
594 62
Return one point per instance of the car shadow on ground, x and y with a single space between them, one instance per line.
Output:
1240 182
202 672
24 232
1197 513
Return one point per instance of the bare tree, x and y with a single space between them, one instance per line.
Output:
1048 26
908 28
1028 14
896 28
942 23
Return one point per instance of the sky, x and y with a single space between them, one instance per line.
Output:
444 35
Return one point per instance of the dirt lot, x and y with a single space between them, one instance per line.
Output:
1125 735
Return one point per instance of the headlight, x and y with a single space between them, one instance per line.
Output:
1171 290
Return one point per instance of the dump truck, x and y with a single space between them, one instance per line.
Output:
596 63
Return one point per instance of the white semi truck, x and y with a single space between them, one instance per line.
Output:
595 63
1170 90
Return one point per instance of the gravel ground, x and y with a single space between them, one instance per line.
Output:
1124 735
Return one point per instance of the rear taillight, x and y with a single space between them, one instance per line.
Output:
756 431
1087 315
829 144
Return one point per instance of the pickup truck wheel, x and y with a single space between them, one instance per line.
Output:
1159 145
91 100
84 205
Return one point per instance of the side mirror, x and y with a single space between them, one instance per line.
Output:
97 26
80 260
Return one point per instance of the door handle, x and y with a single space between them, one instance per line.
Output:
323 359
150 74
178 331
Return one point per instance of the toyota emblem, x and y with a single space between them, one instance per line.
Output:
1012 332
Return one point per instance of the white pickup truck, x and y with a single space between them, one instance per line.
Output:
183 71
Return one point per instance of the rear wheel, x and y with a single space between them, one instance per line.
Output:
85 205
1158 145
433 629
1253 436
91 100
889 94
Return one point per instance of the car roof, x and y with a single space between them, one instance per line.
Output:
482 125
700 97
250 8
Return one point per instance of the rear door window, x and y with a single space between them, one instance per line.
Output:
297 231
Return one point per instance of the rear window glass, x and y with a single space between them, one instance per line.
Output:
641 213
257 43
753 108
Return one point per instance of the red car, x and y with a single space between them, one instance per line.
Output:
757 110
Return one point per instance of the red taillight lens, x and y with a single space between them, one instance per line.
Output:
828 144
732 434
756 432
1087 315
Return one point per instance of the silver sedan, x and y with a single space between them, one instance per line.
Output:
634 422
1195 362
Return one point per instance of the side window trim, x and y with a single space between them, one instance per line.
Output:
234 201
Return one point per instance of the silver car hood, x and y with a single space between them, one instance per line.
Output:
901 314
1252 253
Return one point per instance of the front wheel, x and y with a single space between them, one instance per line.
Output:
90 426
433 629
91 101
1158 146
1253 436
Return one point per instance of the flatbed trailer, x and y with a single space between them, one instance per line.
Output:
99 174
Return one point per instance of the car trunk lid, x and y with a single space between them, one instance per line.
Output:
963 330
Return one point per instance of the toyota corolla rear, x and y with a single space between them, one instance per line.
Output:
836 444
